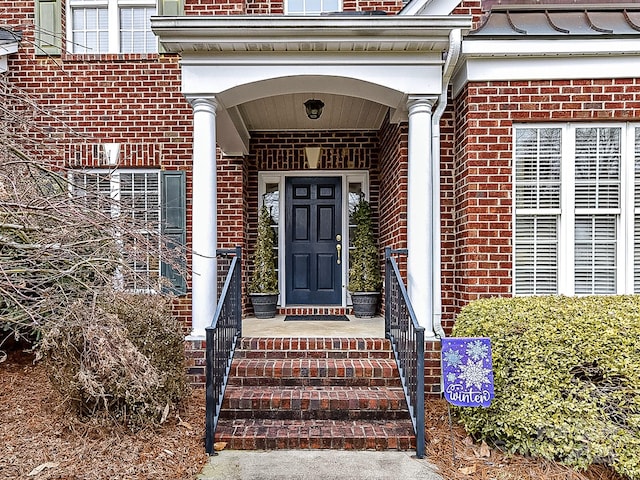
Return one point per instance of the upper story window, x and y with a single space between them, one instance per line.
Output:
111 26
312 7
577 209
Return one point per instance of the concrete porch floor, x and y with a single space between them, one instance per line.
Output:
277 327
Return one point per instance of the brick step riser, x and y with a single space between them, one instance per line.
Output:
291 401
273 435
318 443
314 354
315 368
315 344
310 414
237 381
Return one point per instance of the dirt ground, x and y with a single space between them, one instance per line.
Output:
38 440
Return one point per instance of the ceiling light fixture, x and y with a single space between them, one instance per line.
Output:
314 108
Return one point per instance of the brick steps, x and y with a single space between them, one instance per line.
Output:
321 403
255 347
262 434
312 393
289 372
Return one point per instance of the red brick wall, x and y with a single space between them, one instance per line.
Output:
393 184
266 7
83 100
473 8
485 113
214 7
447 217
273 151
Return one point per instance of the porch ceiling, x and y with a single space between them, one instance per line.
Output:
287 112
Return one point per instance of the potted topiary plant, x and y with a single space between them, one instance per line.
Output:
263 287
364 268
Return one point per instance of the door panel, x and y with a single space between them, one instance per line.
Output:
313 219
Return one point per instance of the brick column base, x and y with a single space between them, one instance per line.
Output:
432 367
195 352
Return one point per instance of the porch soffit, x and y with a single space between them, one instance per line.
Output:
242 33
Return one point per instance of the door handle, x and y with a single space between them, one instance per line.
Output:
339 248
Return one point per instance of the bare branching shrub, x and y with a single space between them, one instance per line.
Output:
112 365
67 252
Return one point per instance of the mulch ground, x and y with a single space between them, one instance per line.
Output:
40 440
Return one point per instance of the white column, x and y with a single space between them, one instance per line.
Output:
204 220
420 211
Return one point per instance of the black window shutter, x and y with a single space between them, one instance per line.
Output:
174 227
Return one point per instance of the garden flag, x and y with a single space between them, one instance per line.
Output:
467 372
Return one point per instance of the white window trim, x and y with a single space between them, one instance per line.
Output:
567 213
347 176
113 22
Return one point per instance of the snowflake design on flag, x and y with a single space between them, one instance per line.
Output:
451 377
477 350
452 357
474 374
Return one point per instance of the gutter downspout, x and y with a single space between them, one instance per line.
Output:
455 46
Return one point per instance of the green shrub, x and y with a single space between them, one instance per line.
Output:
364 263
567 378
264 278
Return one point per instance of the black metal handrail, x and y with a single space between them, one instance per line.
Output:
222 336
407 341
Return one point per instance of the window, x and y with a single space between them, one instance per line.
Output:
111 26
312 7
154 203
577 209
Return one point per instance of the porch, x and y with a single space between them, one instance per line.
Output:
319 391
277 327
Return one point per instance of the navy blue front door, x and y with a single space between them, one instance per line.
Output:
313 231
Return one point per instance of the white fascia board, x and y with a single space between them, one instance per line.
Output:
9 48
385 84
548 47
545 68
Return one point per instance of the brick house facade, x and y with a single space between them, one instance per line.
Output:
528 94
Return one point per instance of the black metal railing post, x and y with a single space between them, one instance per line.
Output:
407 342
221 338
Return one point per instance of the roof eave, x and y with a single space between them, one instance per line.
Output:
216 31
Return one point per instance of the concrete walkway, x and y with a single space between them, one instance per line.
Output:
317 464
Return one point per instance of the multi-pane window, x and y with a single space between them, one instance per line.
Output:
312 7
90 30
577 206
133 197
111 26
